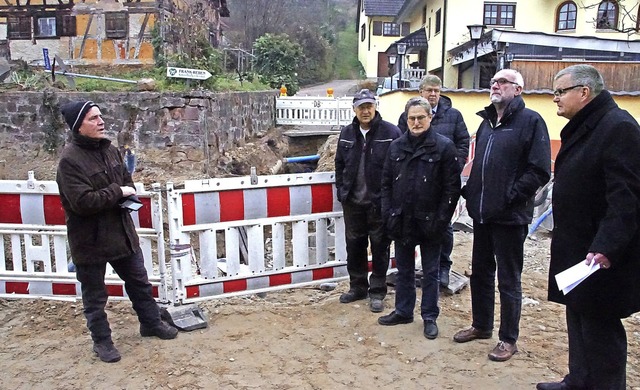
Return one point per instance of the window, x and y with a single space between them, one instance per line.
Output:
363 33
438 18
45 26
116 25
19 27
566 18
389 29
499 14
607 15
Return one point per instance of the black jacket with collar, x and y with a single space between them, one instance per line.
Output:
420 187
448 122
596 208
512 160
89 176
348 152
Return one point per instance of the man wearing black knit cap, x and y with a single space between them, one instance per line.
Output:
93 180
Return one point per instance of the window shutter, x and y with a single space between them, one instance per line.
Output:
116 25
405 29
377 28
66 25
19 27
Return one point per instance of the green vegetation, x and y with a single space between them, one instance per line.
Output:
346 65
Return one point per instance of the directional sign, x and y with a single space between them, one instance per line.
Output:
45 54
185 73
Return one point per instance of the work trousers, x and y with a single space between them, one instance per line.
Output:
94 294
406 280
597 352
363 224
501 246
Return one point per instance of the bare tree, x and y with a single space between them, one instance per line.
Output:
627 15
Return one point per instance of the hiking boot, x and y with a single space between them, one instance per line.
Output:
430 329
106 351
471 334
503 352
161 330
352 296
376 305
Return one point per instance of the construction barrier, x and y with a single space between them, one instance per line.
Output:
235 236
319 110
34 250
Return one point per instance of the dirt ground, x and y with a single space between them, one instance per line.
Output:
294 339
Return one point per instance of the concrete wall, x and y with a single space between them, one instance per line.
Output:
213 122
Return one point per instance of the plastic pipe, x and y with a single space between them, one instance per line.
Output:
314 157
538 221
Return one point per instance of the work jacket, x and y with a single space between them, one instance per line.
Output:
596 208
420 187
512 160
90 174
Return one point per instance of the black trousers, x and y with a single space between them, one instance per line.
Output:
597 352
364 224
500 247
94 294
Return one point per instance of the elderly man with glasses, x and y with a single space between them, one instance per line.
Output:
596 198
512 160
446 121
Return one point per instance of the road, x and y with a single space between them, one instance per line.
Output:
340 88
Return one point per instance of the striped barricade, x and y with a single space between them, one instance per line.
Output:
34 249
320 111
235 236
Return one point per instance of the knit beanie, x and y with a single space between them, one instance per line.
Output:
74 113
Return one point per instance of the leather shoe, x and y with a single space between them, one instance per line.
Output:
394 318
552 386
503 352
161 330
352 296
471 334
376 305
444 277
430 329
106 351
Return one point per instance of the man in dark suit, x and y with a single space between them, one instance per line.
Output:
596 211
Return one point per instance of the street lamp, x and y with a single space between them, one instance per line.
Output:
402 50
392 62
475 31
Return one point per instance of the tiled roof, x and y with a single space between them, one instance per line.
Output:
382 7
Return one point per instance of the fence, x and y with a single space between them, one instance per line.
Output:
33 243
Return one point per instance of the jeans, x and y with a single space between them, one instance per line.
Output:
446 249
94 294
364 224
597 352
406 282
501 246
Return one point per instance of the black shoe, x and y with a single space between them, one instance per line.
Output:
352 296
552 386
161 330
430 329
376 305
106 351
444 277
394 319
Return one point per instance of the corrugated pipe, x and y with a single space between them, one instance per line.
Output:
313 157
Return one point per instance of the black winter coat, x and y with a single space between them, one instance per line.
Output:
512 160
350 145
448 122
596 208
420 188
90 173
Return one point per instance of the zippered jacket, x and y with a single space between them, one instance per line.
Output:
512 160
350 145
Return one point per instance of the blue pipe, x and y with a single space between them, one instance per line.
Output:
539 221
314 157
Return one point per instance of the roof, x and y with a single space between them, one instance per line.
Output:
415 41
382 7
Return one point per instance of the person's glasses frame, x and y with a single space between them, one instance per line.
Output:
418 118
502 81
561 91
430 90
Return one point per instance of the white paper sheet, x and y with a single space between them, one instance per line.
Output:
573 276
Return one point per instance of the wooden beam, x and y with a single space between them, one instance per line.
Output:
84 38
141 35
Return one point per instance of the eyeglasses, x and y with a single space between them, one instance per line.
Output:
419 118
561 91
502 82
430 90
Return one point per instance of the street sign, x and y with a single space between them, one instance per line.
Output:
47 62
185 73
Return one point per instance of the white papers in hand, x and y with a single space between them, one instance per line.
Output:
573 276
